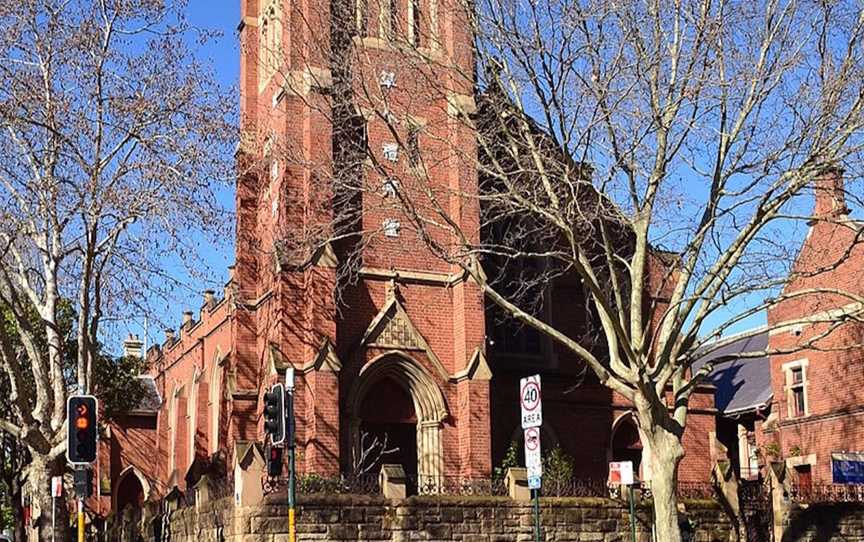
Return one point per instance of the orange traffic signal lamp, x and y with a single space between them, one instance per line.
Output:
82 435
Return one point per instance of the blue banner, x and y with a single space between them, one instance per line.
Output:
848 468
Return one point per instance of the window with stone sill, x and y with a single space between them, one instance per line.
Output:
796 390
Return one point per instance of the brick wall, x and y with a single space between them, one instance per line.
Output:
478 519
831 258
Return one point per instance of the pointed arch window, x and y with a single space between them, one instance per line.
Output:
192 414
362 17
215 402
272 42
173 428
415 23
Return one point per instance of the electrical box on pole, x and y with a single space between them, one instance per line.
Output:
82 429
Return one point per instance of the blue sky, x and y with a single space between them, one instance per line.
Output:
223 56
223 16
222 53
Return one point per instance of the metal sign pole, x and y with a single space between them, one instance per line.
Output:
292 478
53 518
531 405
632 516
536 514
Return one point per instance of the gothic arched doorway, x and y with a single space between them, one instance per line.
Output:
129 497
626 443
393 394
132 490
388 429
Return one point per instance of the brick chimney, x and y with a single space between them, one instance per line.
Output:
187 320
830 196
133 347
209 298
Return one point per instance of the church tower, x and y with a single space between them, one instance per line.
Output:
347 105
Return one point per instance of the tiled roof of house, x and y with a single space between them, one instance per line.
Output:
151 401
743 384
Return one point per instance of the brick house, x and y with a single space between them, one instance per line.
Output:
802 404
818 406
408 351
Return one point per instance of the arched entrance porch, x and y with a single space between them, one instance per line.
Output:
132 491
626 445
394 396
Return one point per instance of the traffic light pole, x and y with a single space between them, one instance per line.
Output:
292 479
80 519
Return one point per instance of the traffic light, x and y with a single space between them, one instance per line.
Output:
83 431
274 461
83 483
274 414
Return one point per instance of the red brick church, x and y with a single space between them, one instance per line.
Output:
407 349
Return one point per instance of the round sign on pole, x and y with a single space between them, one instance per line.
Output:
532 439
531 396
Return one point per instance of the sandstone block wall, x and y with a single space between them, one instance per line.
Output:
823 522
457 519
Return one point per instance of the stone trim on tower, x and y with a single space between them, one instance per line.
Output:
393 329
477 369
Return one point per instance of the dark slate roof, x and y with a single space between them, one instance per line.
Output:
744 384
152 401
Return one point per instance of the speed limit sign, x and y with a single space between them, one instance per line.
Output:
529 399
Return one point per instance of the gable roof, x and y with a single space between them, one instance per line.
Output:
151 401
392 328
742 385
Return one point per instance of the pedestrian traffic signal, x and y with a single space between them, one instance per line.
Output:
274 414
82 432
274 461
83 482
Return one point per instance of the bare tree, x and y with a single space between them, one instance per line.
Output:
657 154
114 140
369 452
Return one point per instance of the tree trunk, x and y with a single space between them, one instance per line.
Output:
18 527
41 472
665 452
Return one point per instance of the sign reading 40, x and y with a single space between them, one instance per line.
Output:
530 401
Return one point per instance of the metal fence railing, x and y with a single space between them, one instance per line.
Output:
364 484
456 486
575 487
696 490
827 493
368 484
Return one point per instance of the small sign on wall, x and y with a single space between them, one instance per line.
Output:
847 468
